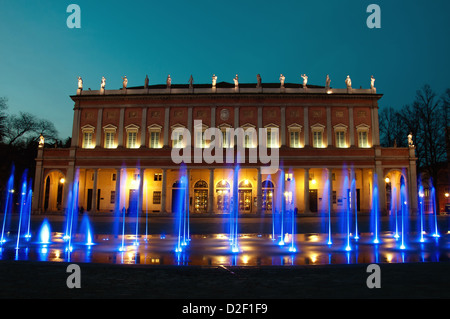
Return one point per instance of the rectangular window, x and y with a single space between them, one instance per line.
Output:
177 139
113 197
157 177
156 197
295 139
362 139
199 141
132 139
317 139
340 139
109 139
87 140
154 139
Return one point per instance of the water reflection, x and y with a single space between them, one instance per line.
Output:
213 250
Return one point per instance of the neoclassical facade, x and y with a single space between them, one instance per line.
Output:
122 142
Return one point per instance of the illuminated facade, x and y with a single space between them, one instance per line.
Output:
122 142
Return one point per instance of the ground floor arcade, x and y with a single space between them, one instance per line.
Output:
213 190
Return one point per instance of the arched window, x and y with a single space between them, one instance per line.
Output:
245 184
201 184
267 184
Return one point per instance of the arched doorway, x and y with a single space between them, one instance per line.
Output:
223 196
54 191
178 196
267 196
245 197
200 197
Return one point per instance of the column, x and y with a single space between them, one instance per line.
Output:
98 137
213 116
306 189
141 190
211 191
94 192
351 126
189 120
329 131
187 194
283 126
166 126
330 189
117 189
76 125
144 127
121 124
379 181
236 117
306 124
38 183
259 192
163 191
412 176
352 190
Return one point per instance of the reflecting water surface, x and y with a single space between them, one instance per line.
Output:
215 250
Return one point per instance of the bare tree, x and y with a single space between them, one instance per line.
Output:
3 117
25 128
393 130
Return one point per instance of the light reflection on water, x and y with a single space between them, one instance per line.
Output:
214 250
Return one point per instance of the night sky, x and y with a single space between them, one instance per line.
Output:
40 57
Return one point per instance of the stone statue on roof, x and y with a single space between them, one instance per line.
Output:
305 80
125 82
410 140
103 83
41 141
348 82
327 81
146 82
191 82
282 78
80 83
258 81
236 81
214 80
372 82
169 81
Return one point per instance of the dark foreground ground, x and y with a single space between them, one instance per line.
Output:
48 280
21 279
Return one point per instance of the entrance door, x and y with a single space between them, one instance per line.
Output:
133 202
89 199
200 201
313 200
267 195
245 201
178 200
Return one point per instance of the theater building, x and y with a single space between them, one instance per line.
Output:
122 142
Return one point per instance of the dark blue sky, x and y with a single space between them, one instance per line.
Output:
40 57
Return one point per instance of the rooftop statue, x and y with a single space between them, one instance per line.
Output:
103 83
146 81
214 80
305 80
169 81
125 82
258 81
236 81
282 78
372 82
80 83
348 82
328 82
410 140
191 82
